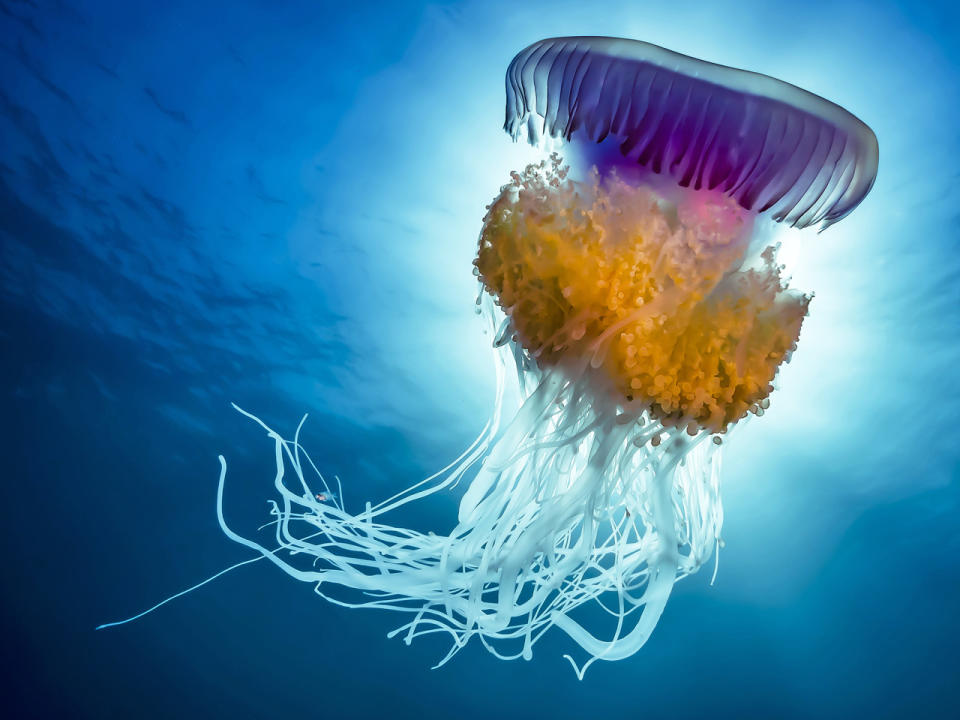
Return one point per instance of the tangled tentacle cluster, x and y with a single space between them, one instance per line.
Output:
571 506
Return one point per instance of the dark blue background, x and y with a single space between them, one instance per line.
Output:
277 204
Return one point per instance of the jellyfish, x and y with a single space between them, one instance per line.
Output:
637 309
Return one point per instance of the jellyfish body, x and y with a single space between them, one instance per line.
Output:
639 325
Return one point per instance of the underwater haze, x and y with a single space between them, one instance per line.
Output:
277 205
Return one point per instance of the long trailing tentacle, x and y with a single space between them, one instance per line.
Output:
573 503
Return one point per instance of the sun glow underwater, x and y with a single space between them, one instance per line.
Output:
639 310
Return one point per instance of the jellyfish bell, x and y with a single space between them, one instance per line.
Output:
771 146
636 308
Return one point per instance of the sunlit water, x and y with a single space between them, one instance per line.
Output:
280 207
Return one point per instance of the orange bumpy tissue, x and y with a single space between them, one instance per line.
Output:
666 298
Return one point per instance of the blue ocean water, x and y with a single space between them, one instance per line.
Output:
277 204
